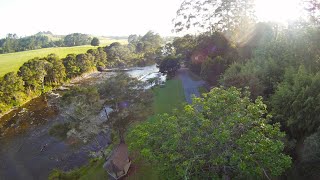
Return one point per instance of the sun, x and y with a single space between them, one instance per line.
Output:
277 10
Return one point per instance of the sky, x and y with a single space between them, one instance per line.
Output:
111 17
96 17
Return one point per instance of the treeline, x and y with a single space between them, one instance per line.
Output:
12 43
39 75
281 65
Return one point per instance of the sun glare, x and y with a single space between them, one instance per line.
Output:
277 10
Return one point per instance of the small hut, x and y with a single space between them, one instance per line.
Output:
118 164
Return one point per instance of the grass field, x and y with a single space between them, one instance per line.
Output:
12 61
166 98
169 97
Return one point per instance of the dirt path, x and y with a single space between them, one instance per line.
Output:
190 85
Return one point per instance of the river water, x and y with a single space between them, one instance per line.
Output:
27 151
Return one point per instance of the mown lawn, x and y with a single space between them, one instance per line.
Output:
12 61
169 97
166 99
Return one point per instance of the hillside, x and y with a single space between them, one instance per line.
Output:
12 61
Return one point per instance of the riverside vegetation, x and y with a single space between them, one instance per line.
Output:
41 74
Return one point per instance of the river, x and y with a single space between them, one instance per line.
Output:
27 151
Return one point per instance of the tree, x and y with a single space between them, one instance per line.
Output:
100 56
80 107
119 55
311 148
212 15
313 8
95 41
242 76
33 73
77 39
85 62
169 65
296 102
129 100
11 88
56 71
211 69
223 134
133 39
184 46
70 64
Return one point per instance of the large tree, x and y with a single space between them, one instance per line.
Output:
169 65
224 134
214 15
69 63
129 99
33 73
95 41
11 88
56 71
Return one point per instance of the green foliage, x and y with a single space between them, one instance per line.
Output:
93 171
80 107
13 61
95 41
11 91
145 47
14 44
222 134
184 45
71 67
40 75
266 69
76 39
311 148
56 72
242 76
128 98
296 102
169 65
100 56
210 56
85 62
33 73
118 55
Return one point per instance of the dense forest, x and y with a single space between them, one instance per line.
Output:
12 43
41 74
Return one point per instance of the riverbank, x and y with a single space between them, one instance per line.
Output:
166 98
29 150
33 95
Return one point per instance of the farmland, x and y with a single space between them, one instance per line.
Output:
12 61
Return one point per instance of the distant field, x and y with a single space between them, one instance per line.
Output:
13 61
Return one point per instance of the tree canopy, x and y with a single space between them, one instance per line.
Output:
212 15
95 41
223 134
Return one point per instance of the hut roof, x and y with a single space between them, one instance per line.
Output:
120 156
